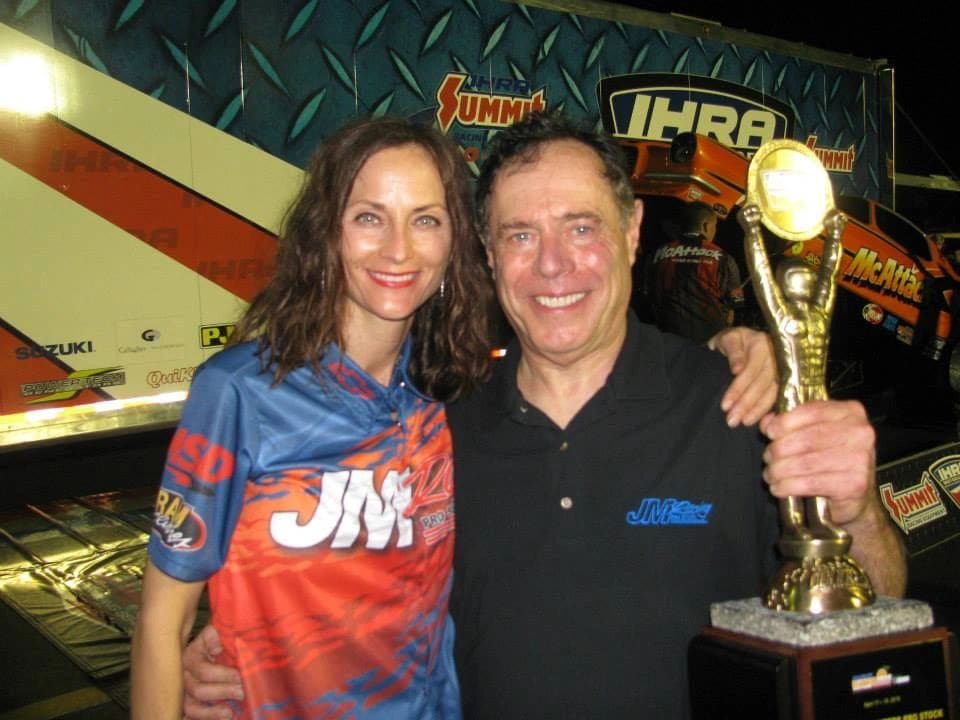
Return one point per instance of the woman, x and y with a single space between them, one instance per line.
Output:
309 483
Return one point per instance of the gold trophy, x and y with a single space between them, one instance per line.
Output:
755 660
789 193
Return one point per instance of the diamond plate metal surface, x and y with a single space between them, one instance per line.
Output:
282 74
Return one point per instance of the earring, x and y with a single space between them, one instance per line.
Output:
443 287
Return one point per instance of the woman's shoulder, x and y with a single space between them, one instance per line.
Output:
232 363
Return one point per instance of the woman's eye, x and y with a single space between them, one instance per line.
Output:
367 218
427 220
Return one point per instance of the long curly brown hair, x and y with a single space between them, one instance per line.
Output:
300 312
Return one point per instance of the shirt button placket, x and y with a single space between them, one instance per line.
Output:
566 502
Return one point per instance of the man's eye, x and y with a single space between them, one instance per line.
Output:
582 229
520 238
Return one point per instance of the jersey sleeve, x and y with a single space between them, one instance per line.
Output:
201 491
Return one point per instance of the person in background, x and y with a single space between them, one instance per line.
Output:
693 285
309 484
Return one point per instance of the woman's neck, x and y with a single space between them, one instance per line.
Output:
376 349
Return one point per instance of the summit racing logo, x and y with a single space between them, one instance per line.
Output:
946 471
177 524
349 502
660 106
833 159
913 506
889 277
488 102
669 511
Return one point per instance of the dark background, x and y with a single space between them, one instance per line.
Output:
917 39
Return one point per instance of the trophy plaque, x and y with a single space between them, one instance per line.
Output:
819 645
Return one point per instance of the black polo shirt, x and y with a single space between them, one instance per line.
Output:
587 557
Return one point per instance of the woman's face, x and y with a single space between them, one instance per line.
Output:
396 239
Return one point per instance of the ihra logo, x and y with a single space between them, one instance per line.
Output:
487 102
659 106
946 471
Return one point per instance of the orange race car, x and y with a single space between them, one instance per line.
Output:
897 285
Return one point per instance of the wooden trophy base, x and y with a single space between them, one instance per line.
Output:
909 675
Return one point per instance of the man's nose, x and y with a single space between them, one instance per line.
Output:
553 257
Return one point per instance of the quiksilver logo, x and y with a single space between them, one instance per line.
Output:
669 511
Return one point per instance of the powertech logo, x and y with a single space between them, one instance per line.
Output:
476 100
946 471
888 276
659 106
913 506
72 385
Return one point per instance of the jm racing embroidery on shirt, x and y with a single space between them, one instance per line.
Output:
669 511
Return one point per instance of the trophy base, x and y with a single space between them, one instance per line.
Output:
884 661
818 584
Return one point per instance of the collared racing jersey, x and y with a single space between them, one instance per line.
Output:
320 511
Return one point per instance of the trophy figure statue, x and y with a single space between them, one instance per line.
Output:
789 193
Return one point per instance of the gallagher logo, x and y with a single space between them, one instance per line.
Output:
660 106
946 471
488 102
177 523
913 506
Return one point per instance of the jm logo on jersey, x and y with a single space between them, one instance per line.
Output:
346 496
659 106
669 511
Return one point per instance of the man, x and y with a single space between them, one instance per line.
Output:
602 499
693 284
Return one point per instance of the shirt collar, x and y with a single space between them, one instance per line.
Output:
356 378
639 372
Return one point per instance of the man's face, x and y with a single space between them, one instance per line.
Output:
561 252
710 228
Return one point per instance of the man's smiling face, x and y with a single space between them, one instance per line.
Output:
561 250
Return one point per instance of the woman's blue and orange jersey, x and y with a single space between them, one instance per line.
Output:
321 513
